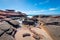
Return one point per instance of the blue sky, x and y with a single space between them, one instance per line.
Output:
32 7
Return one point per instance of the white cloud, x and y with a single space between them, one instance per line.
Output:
52 9
46 1
37 12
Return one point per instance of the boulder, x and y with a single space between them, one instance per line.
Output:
4 26
6 37
14 22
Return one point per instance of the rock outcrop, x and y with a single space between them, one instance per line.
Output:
7 31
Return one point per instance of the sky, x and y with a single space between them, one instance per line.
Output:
32 7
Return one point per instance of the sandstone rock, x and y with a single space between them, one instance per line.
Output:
10 31
1 32
14 22
4 26
6 37
36 37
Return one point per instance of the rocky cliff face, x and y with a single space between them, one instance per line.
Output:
8 29
10 14
8 24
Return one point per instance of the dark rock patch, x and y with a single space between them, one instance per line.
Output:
26 34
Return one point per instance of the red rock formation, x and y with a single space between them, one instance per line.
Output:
10 13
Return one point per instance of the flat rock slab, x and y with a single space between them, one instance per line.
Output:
20 32
4 25
49 20
14 22
54 30
43 33
6 37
